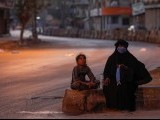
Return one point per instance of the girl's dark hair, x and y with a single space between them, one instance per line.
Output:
78 56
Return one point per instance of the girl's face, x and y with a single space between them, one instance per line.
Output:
81 61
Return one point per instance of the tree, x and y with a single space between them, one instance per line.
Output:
27 10
35 7
22 9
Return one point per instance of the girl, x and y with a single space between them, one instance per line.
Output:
78 75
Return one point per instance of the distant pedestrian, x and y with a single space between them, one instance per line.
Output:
79 73
122 75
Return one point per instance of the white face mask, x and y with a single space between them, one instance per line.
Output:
121 49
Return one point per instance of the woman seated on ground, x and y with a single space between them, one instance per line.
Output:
78 75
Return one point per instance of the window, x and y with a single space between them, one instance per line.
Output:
125 21
114 20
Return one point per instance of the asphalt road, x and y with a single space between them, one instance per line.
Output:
33 80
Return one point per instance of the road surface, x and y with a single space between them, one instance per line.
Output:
33 80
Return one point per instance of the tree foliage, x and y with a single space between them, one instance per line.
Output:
27 10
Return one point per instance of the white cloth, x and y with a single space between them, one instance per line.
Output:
118 76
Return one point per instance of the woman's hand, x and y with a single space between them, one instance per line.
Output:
106 82
123 66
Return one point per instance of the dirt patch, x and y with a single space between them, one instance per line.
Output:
9 45
15 45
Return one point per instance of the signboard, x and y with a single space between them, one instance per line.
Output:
117 11
95 12
138 8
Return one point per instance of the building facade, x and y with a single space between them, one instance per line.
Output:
5 6
146 14
80 13
68 13
152 14
138 12
111 14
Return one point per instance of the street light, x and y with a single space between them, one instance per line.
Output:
38 18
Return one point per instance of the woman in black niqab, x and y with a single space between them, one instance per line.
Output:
121 78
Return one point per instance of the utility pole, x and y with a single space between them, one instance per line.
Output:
89 14
35 36
63 12
100 13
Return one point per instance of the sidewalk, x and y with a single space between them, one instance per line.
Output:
56 113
